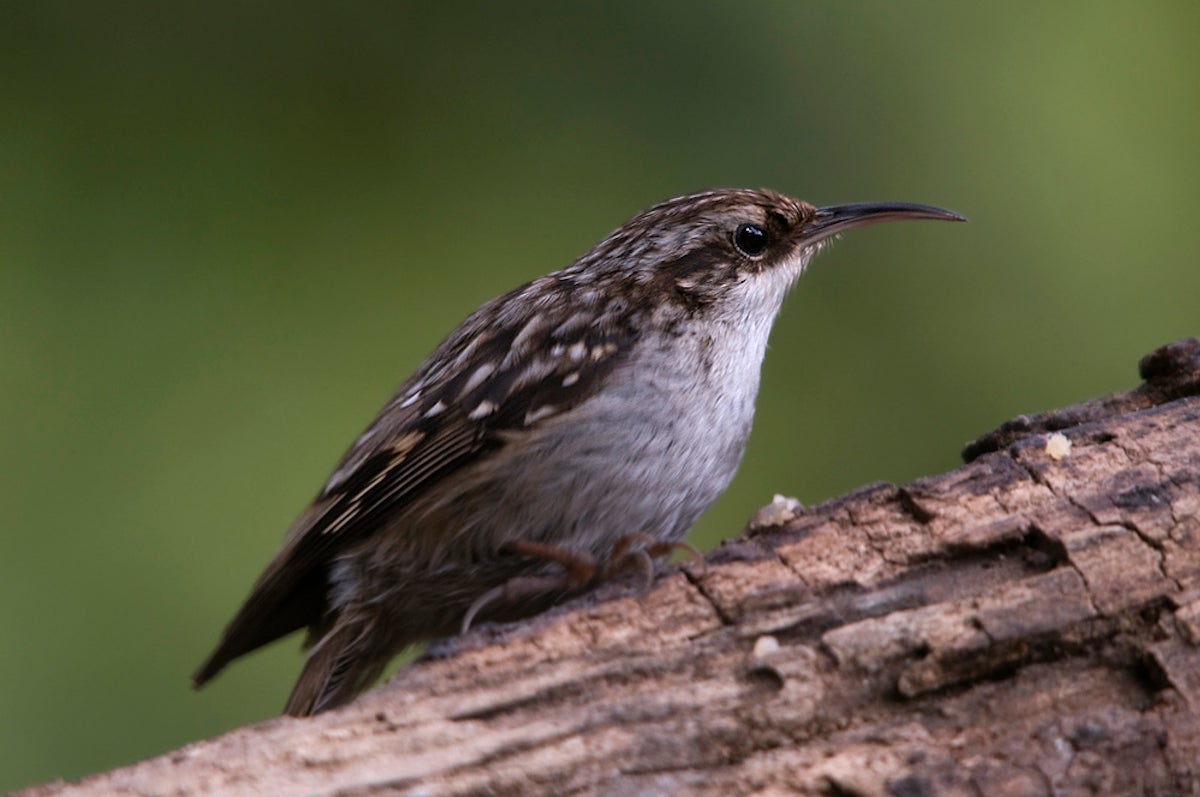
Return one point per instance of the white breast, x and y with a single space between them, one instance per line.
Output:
660 442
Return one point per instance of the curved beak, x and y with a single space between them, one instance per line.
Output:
834 219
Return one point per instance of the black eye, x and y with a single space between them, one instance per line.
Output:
750 239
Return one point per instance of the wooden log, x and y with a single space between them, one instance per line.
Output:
1027 624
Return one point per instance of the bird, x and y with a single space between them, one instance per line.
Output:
567 430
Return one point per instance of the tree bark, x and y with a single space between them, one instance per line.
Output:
1026 624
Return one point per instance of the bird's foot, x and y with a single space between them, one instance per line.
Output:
640 551
578 569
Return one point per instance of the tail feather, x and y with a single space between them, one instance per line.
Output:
273 610
338 667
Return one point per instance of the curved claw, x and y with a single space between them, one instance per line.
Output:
693 555
517 589
480 602
647 562
645 549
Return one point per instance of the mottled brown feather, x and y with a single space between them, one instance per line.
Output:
371 482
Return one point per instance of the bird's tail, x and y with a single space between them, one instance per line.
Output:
339 666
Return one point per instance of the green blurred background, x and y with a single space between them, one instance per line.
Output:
227 232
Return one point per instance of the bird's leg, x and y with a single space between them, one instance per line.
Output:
579 569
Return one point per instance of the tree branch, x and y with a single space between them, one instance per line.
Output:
1027 624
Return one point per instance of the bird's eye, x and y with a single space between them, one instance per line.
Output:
750 239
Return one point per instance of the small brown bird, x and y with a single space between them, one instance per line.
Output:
567 429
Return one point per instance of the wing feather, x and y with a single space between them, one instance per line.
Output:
482 382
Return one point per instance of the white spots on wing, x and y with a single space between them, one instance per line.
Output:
411 399
476 379
484 409
570 379
525 340
436 409
576 351
339 476
534 372
469 350
602 350
573 325
538 413
531 328
404 444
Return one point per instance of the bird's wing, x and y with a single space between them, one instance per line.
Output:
486 379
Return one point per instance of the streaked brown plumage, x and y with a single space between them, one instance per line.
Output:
607 402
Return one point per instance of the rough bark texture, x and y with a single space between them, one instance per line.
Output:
1027 624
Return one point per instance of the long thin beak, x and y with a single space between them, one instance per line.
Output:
835 219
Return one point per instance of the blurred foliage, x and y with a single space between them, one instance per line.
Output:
229 230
